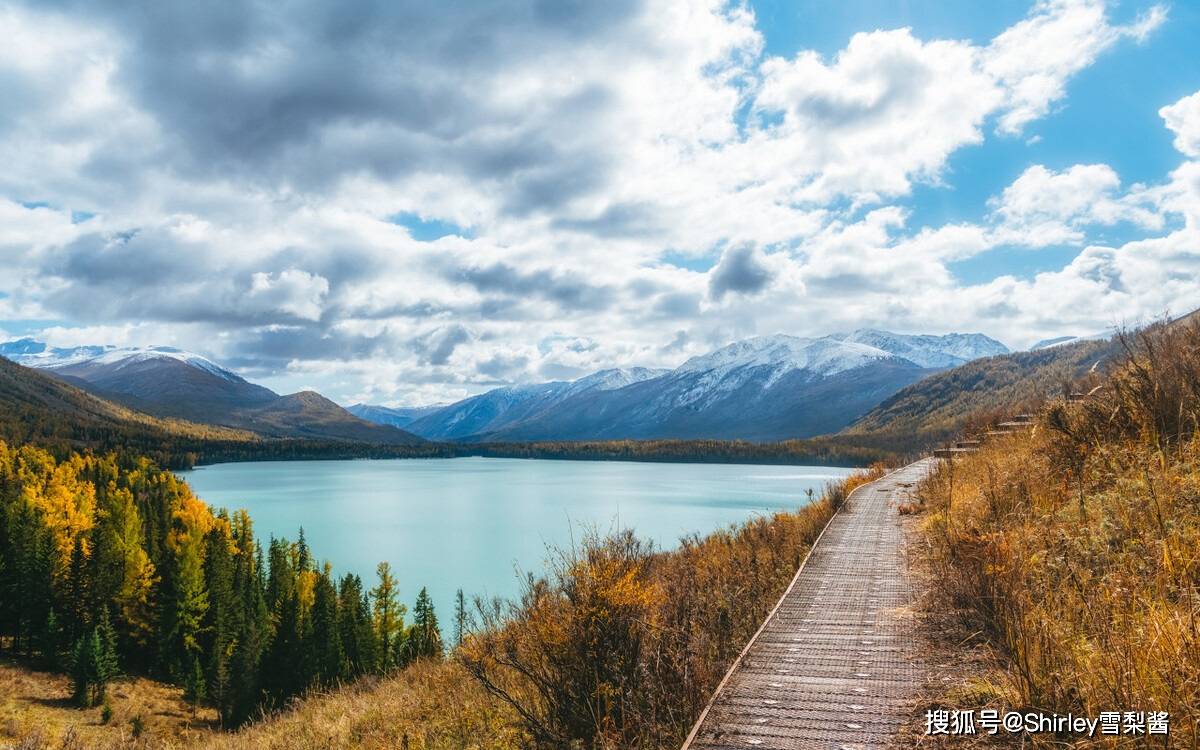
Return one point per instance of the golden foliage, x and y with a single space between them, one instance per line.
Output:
1077 542
621 645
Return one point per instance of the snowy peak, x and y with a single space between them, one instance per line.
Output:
37 354
127 357
617 377
949 350
502 407
782 353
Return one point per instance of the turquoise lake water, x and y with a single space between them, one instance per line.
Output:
472 523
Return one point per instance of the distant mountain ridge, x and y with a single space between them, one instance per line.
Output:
503 408
398 416
171 383
938 407
764 388
761 389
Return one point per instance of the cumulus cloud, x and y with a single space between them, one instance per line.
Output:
1043 207
226 179
1033 60
291 291
1183 119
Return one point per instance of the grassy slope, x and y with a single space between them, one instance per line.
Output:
941 405
1073 547
37 707
37 408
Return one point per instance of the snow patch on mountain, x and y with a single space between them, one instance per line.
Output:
950 350
37 354
730 367
1063 340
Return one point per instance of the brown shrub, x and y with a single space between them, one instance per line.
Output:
621 646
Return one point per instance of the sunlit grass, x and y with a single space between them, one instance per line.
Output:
1078 543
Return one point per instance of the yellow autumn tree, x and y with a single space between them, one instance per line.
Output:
125 571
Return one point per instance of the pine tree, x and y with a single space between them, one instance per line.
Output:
124 574
324 634
359 639
187 604
461 618
50 642
107 663
75 603
389 616
94 663
193 684
220 621
34 585
349 592
254 629
425 638
83 660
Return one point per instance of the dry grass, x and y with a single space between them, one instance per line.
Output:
36 711
1077 544
428 706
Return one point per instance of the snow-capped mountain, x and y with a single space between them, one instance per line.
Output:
37 354
764 388
169 382
950 350
501 408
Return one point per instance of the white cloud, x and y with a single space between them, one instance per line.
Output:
889 108
1033 60
243 185
291 291
1183 119
1043 207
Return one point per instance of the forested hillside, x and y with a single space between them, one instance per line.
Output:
38 409
172 384
110 566
938 407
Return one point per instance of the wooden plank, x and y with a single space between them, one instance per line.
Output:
835 664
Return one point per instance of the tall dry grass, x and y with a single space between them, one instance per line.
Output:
1078 544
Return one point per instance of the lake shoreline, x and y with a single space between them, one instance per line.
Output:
477 523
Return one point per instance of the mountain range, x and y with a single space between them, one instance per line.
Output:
760 389
169 383
765 388
866 393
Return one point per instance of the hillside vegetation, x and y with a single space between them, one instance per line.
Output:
619 645
1074 546
942 405
38 409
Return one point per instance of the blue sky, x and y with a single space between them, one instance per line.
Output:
401 203
1111 114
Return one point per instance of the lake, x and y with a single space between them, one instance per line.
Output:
471 523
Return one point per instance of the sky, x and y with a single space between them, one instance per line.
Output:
403 202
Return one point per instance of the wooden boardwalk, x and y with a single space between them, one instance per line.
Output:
835 665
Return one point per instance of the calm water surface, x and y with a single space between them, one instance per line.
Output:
471 523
